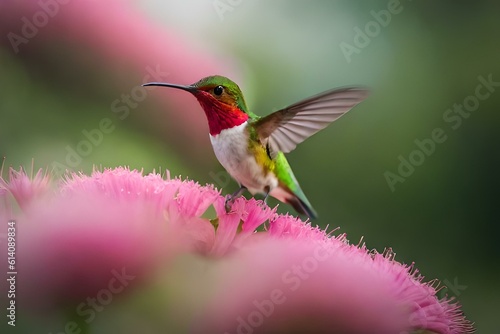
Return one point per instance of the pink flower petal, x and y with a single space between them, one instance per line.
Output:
291 286
256 213
69 248
194 200
227 225
24 188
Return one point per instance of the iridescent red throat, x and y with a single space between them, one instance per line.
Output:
220 116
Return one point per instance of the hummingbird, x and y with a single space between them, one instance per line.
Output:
251 148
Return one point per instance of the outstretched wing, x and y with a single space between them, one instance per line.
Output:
284 129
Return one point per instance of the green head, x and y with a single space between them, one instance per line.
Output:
230 93
220 98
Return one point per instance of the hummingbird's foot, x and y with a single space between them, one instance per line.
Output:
267 189
230 198
229 203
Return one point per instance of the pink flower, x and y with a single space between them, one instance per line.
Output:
22 187
300 280
117 35
263 272
71 248
180 203
245 216
294 286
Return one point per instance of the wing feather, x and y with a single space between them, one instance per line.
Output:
284 129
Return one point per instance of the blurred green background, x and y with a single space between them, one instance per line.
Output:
419 62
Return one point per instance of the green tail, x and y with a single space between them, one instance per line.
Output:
288 181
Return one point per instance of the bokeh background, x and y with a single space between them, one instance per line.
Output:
79 68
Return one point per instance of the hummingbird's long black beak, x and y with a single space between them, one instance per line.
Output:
190 89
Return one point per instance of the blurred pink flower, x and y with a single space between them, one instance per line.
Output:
289 277
118 37
301 280
22 187
295 286
180 203
71 248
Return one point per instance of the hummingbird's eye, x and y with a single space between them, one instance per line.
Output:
218 90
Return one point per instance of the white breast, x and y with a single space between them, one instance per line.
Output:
231 149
